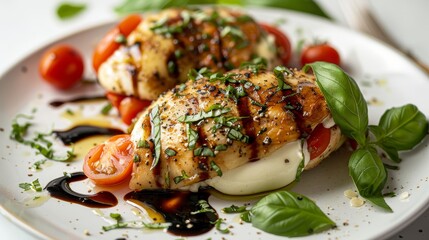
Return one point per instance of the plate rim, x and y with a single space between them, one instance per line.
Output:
388 232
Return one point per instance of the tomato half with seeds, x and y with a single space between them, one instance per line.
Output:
320 52
318 141
109 44
110 163
282 42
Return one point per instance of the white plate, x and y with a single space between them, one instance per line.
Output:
386 78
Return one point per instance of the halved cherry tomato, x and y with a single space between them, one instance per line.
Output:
108 45
318 141
130 107
281 40
111 162
62 66
115 99
320 52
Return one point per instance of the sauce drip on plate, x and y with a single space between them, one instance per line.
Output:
83 131
180 208
60 188
58 103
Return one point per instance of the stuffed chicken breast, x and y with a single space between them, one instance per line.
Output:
241 132
158 54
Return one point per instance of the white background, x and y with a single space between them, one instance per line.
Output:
27 24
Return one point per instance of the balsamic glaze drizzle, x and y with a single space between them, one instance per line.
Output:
58 103
83 131
179 208
60 188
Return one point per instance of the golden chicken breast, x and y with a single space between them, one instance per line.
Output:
165 46
216 124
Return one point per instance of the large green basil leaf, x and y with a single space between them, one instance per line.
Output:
378 133
345 101
404 127
68 10
369 175
307 6
289 214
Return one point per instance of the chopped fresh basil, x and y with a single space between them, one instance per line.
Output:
203 115
204 152
279 72
37 165
178 179
192 136
106 109
171 66
178 53
204 207
121 39
218 225
34 185
235 134
170 152
155 121
136 158
216 168
133 224
234 209
143 144
221 147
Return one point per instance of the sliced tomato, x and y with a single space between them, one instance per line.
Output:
108 45
281 40
130 107
115 99
111 162
318 141
320 52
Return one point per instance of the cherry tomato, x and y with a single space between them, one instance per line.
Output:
108 45
130 107
111 162
115 99
281 40
318 141
321 52
62 66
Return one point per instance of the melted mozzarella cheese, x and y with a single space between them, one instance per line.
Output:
266 49
274 171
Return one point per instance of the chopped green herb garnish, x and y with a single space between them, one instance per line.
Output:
170 152
142 144
155 121
136 158
178 53
196 75
121 39
171 66
246 216
220 147
216 168
203 115
279 72
235 134
69 112
204 207
204 152
106 109
218 226
178 179
66 174
35 185
37 165
192 136
234 209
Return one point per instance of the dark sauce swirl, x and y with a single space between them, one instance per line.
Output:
83 131
58 103
60 188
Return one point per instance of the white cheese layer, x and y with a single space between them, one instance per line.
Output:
274 171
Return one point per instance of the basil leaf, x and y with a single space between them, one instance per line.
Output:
306 6
404 127
289 214
155 121
345 101
378 133
68 10
369 175
132 6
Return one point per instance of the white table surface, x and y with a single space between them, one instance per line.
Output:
27 24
